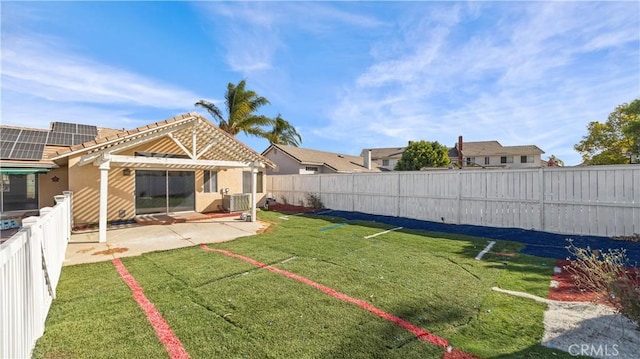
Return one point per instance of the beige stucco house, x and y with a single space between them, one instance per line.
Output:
184 163
296 160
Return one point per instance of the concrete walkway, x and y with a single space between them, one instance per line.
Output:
135 240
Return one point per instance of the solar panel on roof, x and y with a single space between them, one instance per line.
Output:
78 139
64 127
87 130
5 149
33 136
9 134
60 138
27 151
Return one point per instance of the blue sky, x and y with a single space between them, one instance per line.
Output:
347 75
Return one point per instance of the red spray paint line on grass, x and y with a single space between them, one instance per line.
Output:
417 331
163 331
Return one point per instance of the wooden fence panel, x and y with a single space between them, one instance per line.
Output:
594 200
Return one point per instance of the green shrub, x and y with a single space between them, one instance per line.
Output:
314 201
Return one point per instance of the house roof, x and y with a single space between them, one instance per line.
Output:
211 143
469 149
335 161
486 148
384 153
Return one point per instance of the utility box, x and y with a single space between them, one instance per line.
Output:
236 202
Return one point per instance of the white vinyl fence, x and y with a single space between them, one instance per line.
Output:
592 200
30 266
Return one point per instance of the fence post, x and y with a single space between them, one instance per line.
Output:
353 192
541 194
63 201
69 195
34 276
459 195
398 196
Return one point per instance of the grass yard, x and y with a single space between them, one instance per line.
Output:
222 307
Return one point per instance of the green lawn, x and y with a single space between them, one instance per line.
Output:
222 307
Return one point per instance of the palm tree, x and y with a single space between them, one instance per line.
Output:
282 133
241 107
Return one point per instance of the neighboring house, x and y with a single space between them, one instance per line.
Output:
181 164
471 154
493 154
384 158
296 160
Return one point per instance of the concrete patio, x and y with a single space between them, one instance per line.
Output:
134 239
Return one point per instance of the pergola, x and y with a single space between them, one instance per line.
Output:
207 147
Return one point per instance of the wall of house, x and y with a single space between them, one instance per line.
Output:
286 164
390 166
513 161
85 183
227 178
52 184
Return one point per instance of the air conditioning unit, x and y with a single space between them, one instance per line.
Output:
236 202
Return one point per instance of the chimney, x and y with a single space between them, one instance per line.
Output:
460 151
367 159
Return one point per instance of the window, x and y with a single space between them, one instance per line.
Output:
487 160
246 182
385 163
471 160
311 169
18 192
506 159
526 159
210 181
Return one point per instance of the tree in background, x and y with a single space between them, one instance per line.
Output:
282 133
632 130
242 106
612 142
423 154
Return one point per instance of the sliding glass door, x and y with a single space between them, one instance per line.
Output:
164 191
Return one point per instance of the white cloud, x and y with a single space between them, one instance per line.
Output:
44 82
535 77
38 66
252 32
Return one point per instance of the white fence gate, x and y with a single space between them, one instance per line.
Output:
30 266
592 200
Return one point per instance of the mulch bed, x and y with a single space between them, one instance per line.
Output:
567 290
290 209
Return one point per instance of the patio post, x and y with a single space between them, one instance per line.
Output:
254 190
104 191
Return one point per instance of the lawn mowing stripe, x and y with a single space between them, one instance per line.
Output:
380 233
331 227
163 331
484 251
417 331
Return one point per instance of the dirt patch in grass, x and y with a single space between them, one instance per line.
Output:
267 228
109 251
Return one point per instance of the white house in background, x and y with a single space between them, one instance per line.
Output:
296 160
469 154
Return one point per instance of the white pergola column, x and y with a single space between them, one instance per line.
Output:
104 193
254 190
